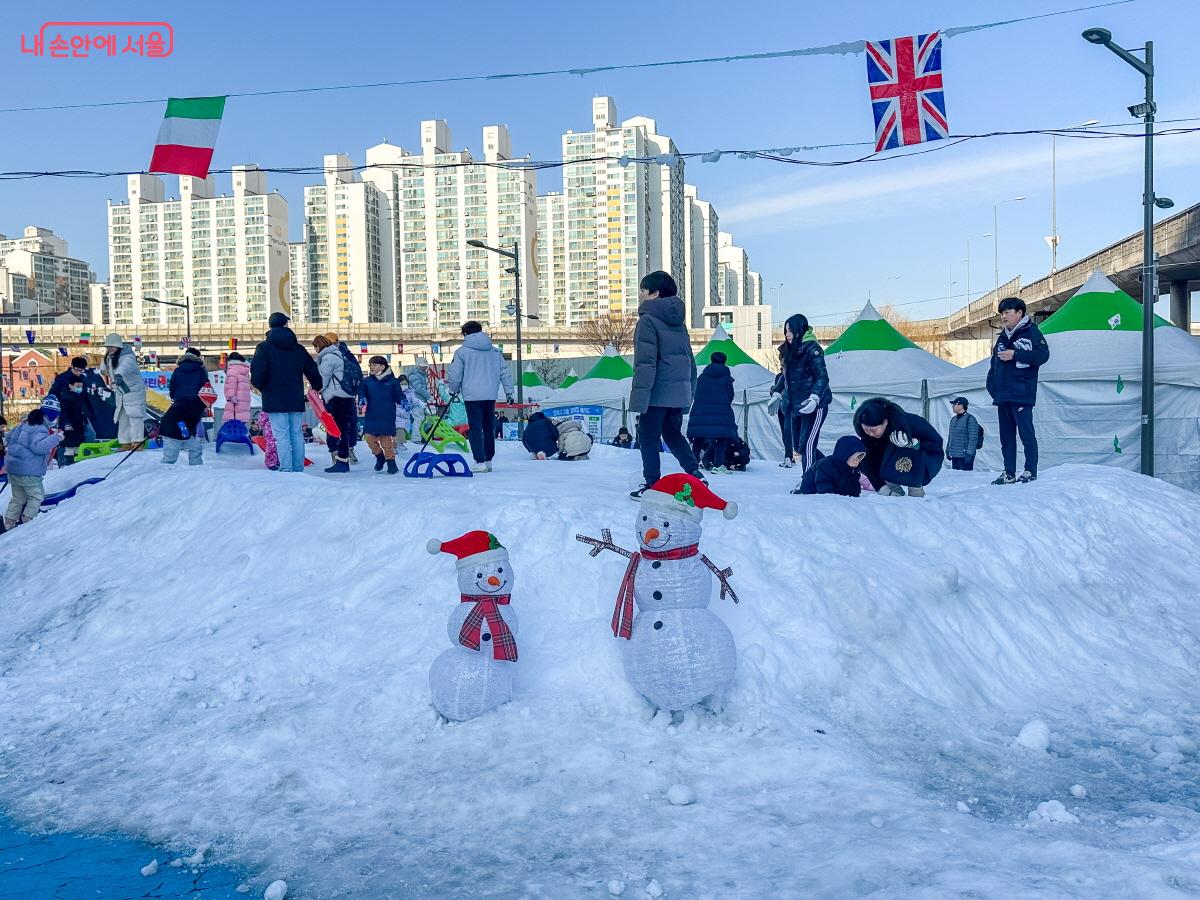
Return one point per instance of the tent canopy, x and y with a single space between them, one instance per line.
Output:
609 367
569 380
1098 306
870 331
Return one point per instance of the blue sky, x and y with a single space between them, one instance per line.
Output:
897 230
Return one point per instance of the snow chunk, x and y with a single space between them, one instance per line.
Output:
681 795
1053 811
962 807
242 888
196 858
654 889
276 890
1078 791
150 868
616 888
1035 735
876 821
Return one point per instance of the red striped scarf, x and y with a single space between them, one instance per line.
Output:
622 621
504 645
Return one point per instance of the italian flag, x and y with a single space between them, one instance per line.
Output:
85 338
188 136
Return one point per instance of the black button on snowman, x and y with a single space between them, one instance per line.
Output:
677 652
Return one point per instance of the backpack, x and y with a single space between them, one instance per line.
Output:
352 374
979 443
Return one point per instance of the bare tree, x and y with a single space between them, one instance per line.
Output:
924 333
612 328
551 371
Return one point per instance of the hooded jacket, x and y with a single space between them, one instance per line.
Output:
664 370
237 391
332 366
1016 381
188 410
804 373
573 441
278 370
885 462
832 474
188 378
381 396
712 410
541 435
478 370
27 449
128 387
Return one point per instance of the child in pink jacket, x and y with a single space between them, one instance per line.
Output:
237 389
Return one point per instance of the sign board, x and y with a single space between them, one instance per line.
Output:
590 417
510 431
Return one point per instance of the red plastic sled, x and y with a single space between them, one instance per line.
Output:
327 420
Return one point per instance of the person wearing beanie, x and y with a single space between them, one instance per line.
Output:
1020 352
664 378
712 425
381 392
962 441
836 474
28 449
72 418
278 370
903 450
123 375
806 388
189 376
178 431
237 389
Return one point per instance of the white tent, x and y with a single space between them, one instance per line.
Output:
752 390
599 399
1089 393
872 359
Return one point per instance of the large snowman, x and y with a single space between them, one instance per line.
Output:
677 652
476 674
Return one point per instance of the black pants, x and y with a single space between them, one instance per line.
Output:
806 431
663 423
1016 420
785 428
963 463
343 412
481 417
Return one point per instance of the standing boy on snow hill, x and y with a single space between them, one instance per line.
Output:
477 372
963 438
1012 381
381 392
664 378
278 370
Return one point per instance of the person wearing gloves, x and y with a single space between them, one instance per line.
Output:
338 401
477 372
178 431
573 442
541 436
237 389
382 394
836 474
963 439
122 373
28 450
806 388
1012 380
903 450
189 376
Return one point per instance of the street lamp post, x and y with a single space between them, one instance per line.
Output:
1144 111
186 306
996 236
515 255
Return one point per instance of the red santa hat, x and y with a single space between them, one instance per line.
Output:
472 549
686 495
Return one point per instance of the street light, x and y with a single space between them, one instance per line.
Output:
186 305
1144 111
515 255
996 236
977 237
1052 240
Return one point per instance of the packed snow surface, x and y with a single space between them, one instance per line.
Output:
236 660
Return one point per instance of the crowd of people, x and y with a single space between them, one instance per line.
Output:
892 452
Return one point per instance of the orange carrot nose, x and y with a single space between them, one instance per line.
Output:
652 534
493 581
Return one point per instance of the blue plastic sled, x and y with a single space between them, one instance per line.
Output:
57 498
424 465
234 432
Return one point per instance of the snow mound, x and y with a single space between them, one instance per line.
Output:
230 656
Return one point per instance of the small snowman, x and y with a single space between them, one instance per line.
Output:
677 652
476 674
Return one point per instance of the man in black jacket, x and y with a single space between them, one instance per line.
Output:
278 370
1012 381
903 450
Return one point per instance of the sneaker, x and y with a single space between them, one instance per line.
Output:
1005 479
540 455
786 464
720 470
916 492
481 467
353 457
891 490
1027 477
637 494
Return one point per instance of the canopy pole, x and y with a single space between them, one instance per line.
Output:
925 398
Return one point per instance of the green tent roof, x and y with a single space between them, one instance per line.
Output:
531 378
569 380
720 340
1098 306
870 331
609 367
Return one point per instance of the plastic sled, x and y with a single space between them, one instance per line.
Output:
425 465
93 449
328 422
59 496
234 432
442 435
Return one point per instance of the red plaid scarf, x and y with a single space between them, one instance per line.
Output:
504 645
622 621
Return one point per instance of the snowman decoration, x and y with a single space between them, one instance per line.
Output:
476 674
676 652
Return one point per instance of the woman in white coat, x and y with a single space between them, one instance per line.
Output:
125 378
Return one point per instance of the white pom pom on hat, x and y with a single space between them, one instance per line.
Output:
434 546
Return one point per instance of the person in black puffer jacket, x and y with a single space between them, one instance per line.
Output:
541 436
381 392
278 370
807 389
836 474
189 377
712 419
1020 352
903 450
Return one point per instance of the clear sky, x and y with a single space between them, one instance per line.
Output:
823 238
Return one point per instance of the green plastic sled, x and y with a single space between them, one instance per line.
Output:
440 435
96 448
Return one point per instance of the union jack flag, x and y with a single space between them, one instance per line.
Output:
905 77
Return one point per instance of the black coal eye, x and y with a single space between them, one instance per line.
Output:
657 626
486 637
658 595
499 571
479 575
666 524
644 518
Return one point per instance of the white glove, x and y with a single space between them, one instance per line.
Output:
810 404
773 405
900 439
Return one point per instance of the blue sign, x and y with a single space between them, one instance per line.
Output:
590 417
